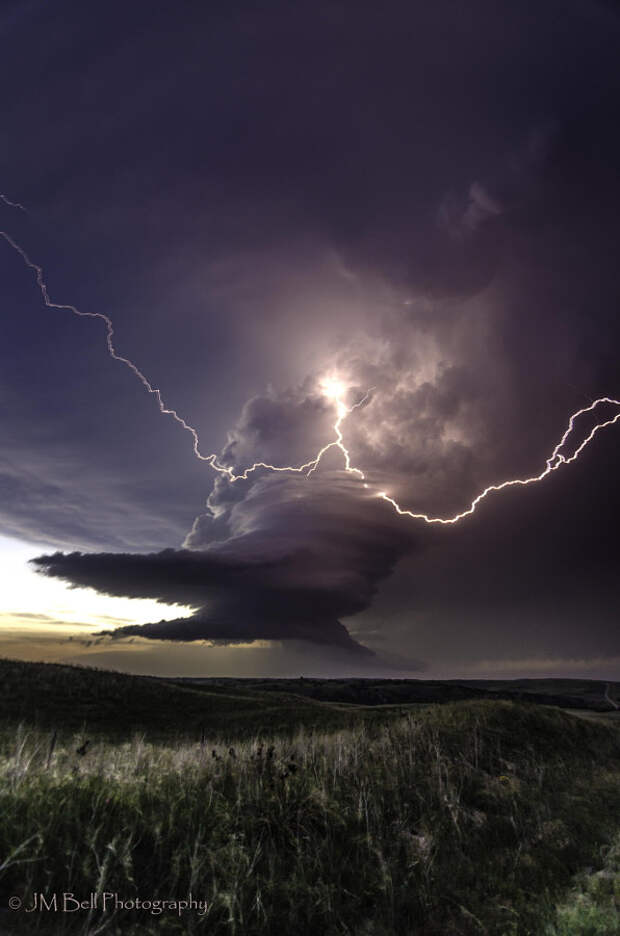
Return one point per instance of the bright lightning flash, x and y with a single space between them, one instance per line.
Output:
334 389
555 461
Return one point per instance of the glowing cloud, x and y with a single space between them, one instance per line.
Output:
334 389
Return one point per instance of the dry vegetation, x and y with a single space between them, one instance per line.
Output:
469 818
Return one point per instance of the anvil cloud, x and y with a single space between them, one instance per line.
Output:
423 200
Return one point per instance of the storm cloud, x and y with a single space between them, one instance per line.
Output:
284 556
301 554
421 200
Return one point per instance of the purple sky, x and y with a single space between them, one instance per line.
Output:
419 199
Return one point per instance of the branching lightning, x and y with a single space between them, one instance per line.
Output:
307 467
333 389
555 461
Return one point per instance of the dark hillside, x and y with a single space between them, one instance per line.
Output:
49 695
574 693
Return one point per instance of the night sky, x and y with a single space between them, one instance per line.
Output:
415 203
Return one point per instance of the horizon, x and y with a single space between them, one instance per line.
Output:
310 329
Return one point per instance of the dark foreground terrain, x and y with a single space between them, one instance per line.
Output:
585 694
49 695
301 812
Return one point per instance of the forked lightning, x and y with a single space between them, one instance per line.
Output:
334 390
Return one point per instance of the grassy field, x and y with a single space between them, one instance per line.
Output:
117 705
472 817
587 694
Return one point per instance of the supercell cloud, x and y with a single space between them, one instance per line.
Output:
424 202
275 557
282 556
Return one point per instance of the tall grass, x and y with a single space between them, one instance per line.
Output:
466 819
592 908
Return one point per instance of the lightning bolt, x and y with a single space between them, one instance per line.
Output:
12 204
555 461
211 459
109 332
342 411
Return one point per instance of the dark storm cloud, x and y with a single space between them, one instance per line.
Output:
302 554
274 557
39 503
457 167
281 556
